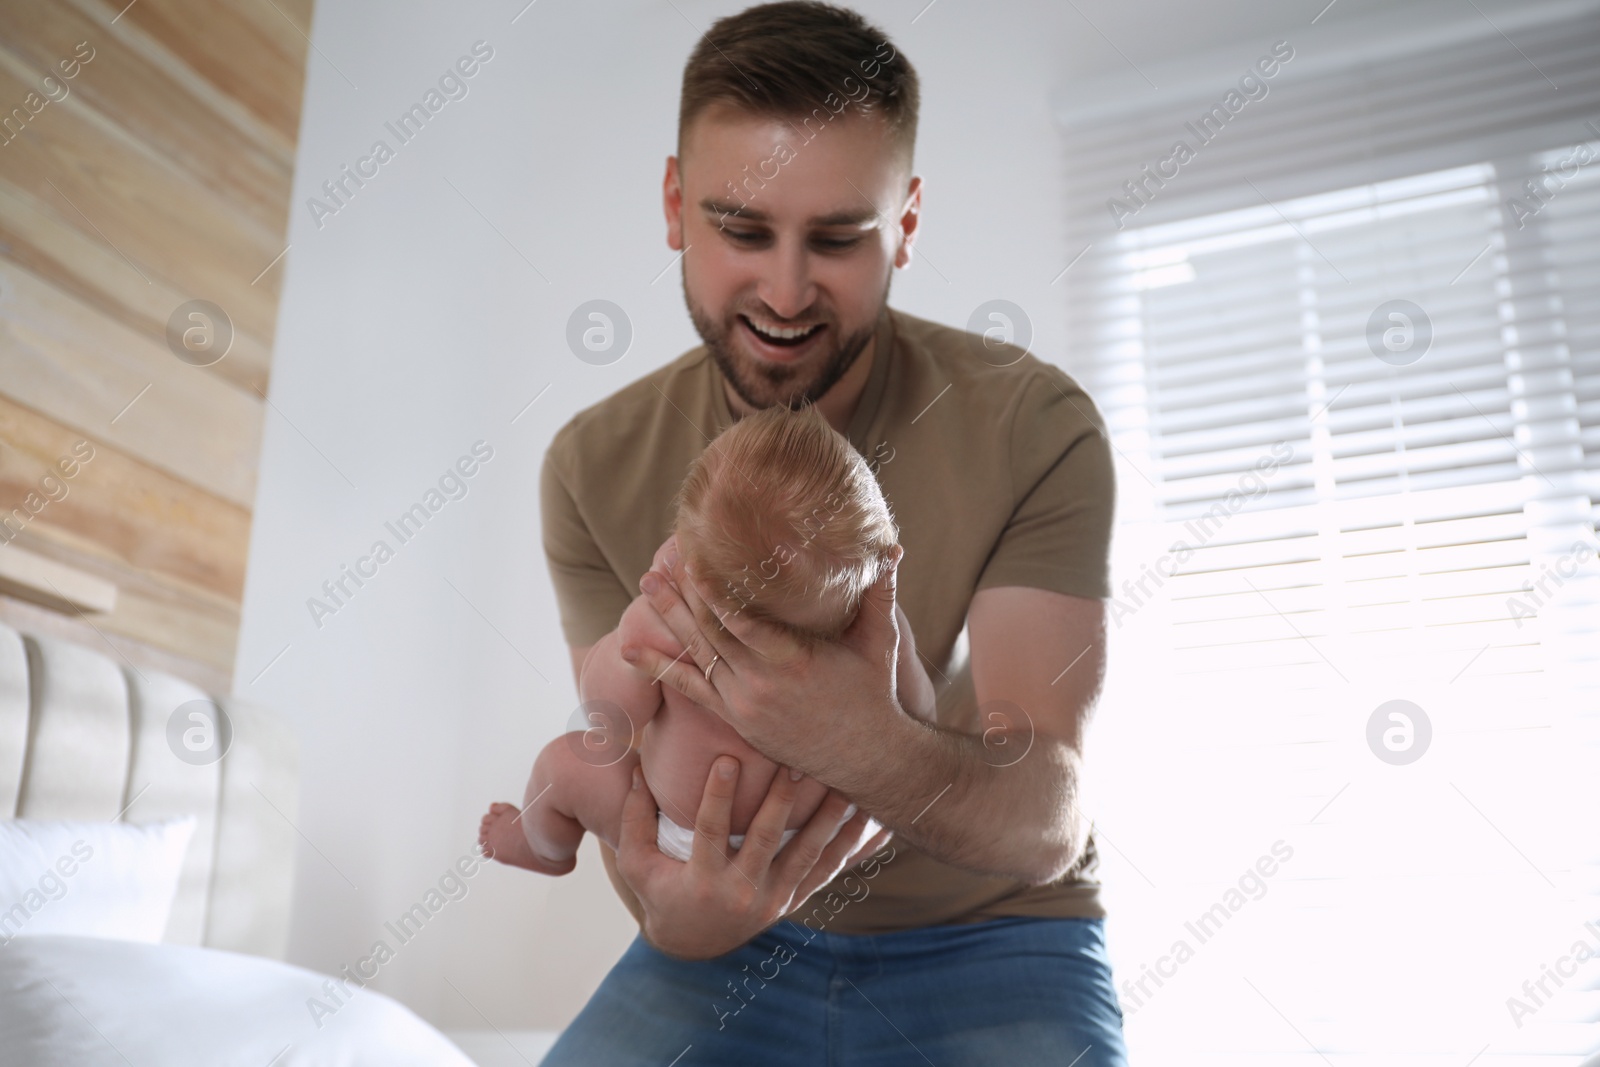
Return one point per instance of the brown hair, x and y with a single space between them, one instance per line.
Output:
781 508
797 60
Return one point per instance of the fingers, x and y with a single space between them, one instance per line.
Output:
873 844
666 556
803 853
765 834
878 840
711 822
637 852
681 673
878 612
694 623
839 852
711 614
744 629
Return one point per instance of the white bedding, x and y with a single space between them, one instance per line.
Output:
83 1001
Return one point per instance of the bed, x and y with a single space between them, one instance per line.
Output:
106 754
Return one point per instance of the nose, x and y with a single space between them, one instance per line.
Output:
786 285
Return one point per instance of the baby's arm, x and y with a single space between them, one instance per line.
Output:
588 784
916 691
606 676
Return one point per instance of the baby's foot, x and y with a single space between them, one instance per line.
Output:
501 835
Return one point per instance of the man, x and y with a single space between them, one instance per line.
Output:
976 937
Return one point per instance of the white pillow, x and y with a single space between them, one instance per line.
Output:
90 879
181 1006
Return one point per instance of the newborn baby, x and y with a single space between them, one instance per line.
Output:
783 516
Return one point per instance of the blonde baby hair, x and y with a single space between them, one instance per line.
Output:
779 509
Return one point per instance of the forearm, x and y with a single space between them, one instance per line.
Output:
974 801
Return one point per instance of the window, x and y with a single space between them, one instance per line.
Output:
1343 772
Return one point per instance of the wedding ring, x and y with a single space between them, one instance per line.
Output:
712 665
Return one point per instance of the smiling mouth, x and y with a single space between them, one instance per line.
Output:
781 341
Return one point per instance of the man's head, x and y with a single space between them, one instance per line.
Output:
792 186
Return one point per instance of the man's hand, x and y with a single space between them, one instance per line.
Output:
797 702
722 897
642 627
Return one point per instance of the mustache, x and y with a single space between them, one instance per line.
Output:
781 323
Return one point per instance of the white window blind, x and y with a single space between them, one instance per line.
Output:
1330 501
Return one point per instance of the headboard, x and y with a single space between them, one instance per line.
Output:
81 734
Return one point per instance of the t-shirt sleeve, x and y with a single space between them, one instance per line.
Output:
589 595
1059 536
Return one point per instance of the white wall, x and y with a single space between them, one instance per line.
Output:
412 326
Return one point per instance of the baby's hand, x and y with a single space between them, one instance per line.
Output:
666 557
642 625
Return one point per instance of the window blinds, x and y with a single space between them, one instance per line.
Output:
1349 357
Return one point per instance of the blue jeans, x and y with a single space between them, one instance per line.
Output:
1016 991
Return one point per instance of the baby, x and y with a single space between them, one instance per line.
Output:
787 518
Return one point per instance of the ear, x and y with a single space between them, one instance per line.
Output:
672 204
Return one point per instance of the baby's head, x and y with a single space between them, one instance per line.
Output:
782 516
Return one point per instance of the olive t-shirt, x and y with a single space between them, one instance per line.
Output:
997 470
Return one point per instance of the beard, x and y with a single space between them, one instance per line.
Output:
761 384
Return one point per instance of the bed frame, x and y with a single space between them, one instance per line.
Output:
83 736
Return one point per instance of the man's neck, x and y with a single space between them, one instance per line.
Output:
838 405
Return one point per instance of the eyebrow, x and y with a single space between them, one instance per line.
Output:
719 208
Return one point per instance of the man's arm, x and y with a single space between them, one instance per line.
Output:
1005 800
831 710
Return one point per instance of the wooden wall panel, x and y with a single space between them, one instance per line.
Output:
163 223
199 625
163 175
83 369
252 51
35 238
133 515
153 110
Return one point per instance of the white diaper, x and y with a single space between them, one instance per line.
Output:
678 841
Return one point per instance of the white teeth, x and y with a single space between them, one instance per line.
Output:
779 335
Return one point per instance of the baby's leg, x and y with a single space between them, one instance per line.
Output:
591 797
540 834
565 796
